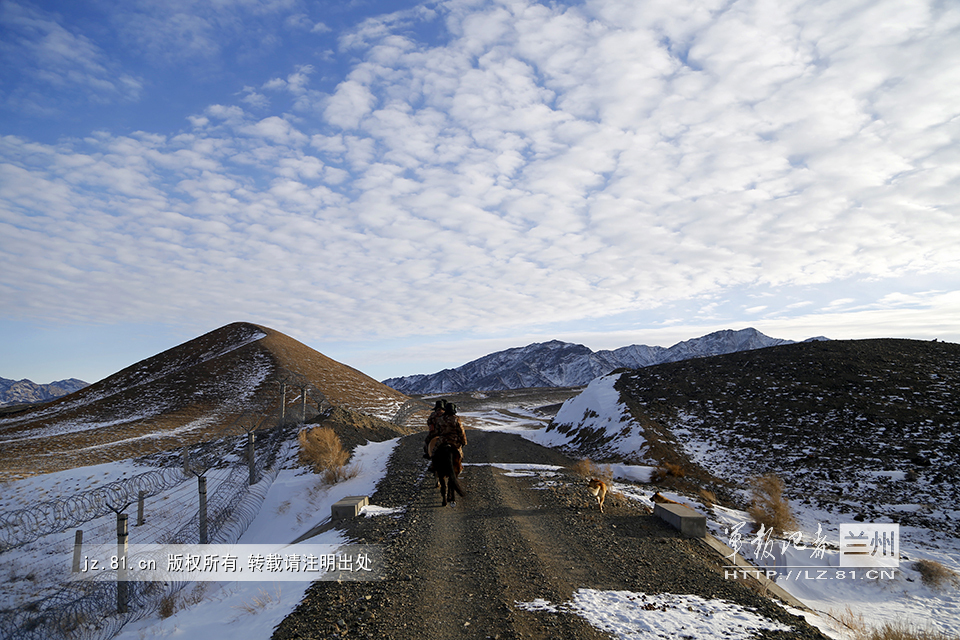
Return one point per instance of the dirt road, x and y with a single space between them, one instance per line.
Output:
459 572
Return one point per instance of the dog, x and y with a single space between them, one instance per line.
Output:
599 489
659 497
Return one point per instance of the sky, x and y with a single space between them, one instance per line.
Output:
409 186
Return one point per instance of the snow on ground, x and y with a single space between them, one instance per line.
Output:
29 491
295 503
628 615
878 599
598 408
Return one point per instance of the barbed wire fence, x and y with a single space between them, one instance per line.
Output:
240 475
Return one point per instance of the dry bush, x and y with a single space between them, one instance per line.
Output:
859 630
768 507
935 575
259 602
320 449
902 631
168 605
666 470
708 497
333 475
589 469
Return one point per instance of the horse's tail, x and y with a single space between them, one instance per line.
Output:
456 485
450 458
454 482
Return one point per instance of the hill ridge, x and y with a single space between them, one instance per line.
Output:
186 394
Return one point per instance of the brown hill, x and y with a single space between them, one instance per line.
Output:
207 387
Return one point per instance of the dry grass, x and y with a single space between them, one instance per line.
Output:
168 606
935 575
709 498
339 474
259 602
589 469
320 449
667 470
768 506
170 603
860 630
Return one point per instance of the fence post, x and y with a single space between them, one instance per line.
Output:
202 487
77 545
121 563
303 404
140 498
251 461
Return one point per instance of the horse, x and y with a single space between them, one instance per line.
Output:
443 466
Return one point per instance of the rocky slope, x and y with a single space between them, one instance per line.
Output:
861 428
562 364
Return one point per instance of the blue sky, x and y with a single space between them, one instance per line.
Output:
408 186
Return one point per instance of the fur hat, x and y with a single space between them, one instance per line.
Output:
439 404
450 408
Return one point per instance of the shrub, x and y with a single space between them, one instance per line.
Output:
767 504
168 605
666 470
259 602
589 469
321 450
933 574
708 497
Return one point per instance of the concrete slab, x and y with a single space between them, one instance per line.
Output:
684 519
739 568
348 507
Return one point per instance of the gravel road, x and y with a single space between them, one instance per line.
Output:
459 572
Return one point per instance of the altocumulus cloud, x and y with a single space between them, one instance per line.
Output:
540 164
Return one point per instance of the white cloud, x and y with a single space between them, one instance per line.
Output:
545 164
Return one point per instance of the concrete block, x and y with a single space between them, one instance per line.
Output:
348 507
688 522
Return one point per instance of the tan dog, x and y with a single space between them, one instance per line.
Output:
598 488
659 497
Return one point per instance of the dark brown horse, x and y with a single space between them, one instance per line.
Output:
443 465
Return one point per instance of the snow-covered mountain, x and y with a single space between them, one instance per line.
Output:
562 364
28 392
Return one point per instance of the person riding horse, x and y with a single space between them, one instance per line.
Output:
433 425
446 453
450 431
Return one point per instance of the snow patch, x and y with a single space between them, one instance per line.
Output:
628 614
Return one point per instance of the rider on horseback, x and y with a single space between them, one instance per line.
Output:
450 431
433 425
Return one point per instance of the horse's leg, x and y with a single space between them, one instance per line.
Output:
443 489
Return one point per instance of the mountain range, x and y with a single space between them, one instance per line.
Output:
29 392
564 364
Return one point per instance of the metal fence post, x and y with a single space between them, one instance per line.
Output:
202 487
121 563
251 460
140 498
77 546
